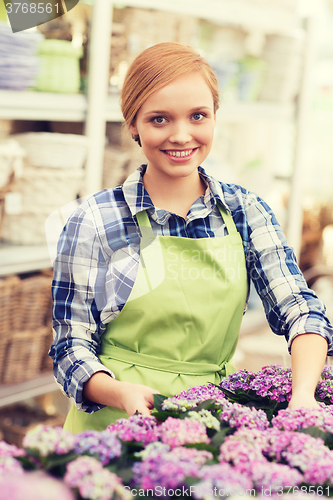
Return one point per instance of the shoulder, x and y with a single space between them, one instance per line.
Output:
103 215
250 212
240 200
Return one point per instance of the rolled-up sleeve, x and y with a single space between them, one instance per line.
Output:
78 291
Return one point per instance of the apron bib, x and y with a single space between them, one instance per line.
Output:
180 326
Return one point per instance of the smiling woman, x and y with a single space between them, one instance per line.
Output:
166 261
176 137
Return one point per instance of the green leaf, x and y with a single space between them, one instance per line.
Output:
191 481
203 446
125 474
220 436
55 461
315 432
158 400
208 404
163 415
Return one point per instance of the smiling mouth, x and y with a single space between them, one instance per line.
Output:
179 153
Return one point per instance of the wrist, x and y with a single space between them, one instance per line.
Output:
103 389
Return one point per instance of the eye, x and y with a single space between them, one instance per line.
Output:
198 116
158 119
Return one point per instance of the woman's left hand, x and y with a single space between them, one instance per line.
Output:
302 400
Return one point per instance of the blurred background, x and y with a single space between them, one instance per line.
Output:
62 138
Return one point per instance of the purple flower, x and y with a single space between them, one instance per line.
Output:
79 468
273 382
136 428
273 476
242 449
301 451
92 480
189 399
325 386
176 432
168 468
237 415
217 481
302 418
104 444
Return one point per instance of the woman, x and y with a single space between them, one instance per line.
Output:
152 277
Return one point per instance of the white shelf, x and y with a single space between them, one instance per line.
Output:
23 259
251 16
30 105
15 393
251 111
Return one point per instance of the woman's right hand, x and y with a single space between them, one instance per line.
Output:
105 390
137 398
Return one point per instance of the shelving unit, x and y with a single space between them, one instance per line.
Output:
23 259
30 105
98 107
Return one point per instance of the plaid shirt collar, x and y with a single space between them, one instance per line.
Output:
138 199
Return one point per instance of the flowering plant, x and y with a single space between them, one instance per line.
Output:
205 442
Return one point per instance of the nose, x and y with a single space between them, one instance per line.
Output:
180 133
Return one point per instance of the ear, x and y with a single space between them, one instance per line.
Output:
133 129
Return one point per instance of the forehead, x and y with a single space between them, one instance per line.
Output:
189 91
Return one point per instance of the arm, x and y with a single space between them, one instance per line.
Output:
82 286
308 355
79 270
292 309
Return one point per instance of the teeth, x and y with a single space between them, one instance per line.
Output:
180 153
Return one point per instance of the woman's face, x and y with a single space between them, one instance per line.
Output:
176 126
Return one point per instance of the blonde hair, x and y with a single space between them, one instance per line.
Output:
155 68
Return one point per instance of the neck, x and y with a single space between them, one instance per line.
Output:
175 194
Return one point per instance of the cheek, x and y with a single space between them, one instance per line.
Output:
205 135
152 138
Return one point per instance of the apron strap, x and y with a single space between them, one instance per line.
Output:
145 225
227 219
167 365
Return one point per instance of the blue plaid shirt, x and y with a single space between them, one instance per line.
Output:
98 256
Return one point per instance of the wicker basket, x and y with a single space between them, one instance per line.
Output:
25 329
9 304
16 421
52 150
22 355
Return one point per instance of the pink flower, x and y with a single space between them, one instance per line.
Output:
176 432
12 450
92 480
34 486
136 428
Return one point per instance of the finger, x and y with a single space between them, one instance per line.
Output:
144 411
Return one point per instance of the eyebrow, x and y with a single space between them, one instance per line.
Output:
161 111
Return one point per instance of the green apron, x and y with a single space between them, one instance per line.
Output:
180 326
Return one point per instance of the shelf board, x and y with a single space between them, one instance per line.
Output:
15 393
251 111
250 16
15 259
30 105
